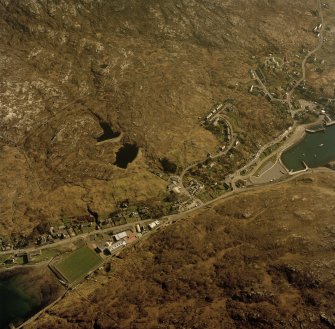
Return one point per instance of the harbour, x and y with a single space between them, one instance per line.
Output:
314 150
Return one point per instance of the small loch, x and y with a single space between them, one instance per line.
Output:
125 155
108 132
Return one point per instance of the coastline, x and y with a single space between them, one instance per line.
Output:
297 136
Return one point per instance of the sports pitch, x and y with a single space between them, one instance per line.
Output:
78 264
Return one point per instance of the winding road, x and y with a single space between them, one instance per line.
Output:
234 177
224 152
168 220
237 175
286 100
76 238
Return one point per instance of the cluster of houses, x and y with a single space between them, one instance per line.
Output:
317 29
62 232
272 62
154 224
174 184
27 257
5 245
65 232
194 187
213 112
13 242
227 132
180 206
110 247
121 239
189 204
216 118
87 224
59 233
131 211
277 92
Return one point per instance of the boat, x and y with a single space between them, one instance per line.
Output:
321 145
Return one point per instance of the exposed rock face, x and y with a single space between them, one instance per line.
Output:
149 69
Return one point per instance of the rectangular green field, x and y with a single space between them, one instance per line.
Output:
78 264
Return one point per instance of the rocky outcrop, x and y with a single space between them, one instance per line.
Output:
147 68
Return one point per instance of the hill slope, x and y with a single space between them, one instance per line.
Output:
257 260
149 69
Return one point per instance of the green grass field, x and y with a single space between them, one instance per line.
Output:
76 266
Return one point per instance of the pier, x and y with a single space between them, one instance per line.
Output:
315 130
291 172
305 165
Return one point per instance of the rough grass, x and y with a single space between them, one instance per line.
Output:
255 260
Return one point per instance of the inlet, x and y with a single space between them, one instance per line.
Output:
108 132
315 150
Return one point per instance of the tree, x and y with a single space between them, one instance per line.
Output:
168 166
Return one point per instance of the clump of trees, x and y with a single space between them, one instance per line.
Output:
168 166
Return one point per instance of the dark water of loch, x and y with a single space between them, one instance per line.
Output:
108 133
125 155
315 149
15 305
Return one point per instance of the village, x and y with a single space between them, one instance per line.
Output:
105 242
110 243
23 250
199 182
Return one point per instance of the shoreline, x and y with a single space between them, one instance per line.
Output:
298 135
111 140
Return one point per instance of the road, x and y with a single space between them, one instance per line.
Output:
309 54
266 91
261 150
77 237
233 140
287 100
168 220
234 177
237 175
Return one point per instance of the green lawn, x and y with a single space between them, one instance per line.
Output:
78 264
